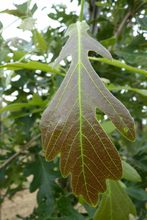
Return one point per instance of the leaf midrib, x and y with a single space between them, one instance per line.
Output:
79 95
80 107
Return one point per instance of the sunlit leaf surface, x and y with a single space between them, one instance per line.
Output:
69 125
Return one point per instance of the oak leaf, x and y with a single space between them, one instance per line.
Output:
69 125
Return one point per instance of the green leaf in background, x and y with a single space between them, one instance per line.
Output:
17 55
143 22
27 24
34 8
108 127
43 179
138 42
14 12
69 125
112 87
115 204
14 107
133 58
67 210
137 193
130 173
35 101
1 25
39 41
32 65
20 11
109 41
22 7
103 4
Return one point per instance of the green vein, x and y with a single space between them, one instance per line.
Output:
92 187
80 106
97 170
64 90
107 101
98 155
69 152
79 89
94 176
60 131
77 183
102 142
70 111
69 130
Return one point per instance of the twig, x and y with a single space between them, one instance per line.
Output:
120 28
14 156
119 64
9 160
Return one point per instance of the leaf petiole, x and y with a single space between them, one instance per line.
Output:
82 10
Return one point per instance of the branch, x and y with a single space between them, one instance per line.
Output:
24 147
121 26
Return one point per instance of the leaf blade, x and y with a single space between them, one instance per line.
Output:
115 204
32 65
69 125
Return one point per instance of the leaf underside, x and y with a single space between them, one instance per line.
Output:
69 125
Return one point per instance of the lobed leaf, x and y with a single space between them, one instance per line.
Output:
69 125
43 181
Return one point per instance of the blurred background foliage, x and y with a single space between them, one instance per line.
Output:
28 84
